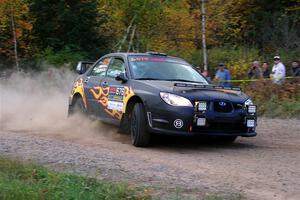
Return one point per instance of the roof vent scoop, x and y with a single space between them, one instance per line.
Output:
156 53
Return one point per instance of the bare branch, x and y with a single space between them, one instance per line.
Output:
126 34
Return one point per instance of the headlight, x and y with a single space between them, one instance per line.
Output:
248 102
175 100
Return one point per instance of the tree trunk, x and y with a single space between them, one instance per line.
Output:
13 25
131 46
204 34
126 34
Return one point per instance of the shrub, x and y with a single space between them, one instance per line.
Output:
275 100
66 56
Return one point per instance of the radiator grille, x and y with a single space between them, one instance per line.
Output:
222 106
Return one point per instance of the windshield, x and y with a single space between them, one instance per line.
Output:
163 68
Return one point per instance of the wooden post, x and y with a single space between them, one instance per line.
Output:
204 34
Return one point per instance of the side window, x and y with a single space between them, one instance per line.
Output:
116 67
100 68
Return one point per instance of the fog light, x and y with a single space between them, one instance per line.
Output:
250 123
201 122
251 109
202 106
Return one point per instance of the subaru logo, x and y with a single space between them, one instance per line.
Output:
222 103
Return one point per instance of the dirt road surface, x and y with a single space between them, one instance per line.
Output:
264 167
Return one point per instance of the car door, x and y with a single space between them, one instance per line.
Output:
95 94
116 89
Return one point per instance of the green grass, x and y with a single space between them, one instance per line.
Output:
19 181
23 181
274 108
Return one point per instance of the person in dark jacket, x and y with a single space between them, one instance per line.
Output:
265 70
295 68
254 72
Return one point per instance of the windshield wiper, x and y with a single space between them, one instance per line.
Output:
184 80
147 79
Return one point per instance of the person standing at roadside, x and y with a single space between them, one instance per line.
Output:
205 73
265 70
295 68
278 71
254 72
223 76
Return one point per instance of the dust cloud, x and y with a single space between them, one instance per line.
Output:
37 103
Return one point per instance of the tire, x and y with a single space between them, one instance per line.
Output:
140 137
124 127
78 107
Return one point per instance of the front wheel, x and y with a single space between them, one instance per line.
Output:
140 137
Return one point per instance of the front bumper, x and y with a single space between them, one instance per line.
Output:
167 120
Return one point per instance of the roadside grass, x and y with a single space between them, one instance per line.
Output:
275 101
276 108
19 181
23 181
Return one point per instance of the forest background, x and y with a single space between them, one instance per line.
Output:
62 32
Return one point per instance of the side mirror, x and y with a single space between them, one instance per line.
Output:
82 66
121 77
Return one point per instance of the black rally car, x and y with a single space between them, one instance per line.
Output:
151 92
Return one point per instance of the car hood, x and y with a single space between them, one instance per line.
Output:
195 91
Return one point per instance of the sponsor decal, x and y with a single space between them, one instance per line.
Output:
113 99
115 105
116 93
178 123
145 59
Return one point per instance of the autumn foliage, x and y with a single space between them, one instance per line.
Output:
242 29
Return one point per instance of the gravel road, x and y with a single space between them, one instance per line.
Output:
264 167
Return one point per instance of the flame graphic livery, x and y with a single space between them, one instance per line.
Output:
101 96
78 87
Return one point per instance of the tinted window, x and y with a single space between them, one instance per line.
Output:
116 67
100 68
163 68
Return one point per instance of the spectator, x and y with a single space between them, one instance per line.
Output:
198 68
265 70
206 74
295 68
278 71
223 76
254 72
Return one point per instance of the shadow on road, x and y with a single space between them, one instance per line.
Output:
198 142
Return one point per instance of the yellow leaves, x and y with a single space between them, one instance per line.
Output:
226 20
25 25
178 33
239 69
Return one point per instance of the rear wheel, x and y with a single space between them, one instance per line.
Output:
140 137
78 107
